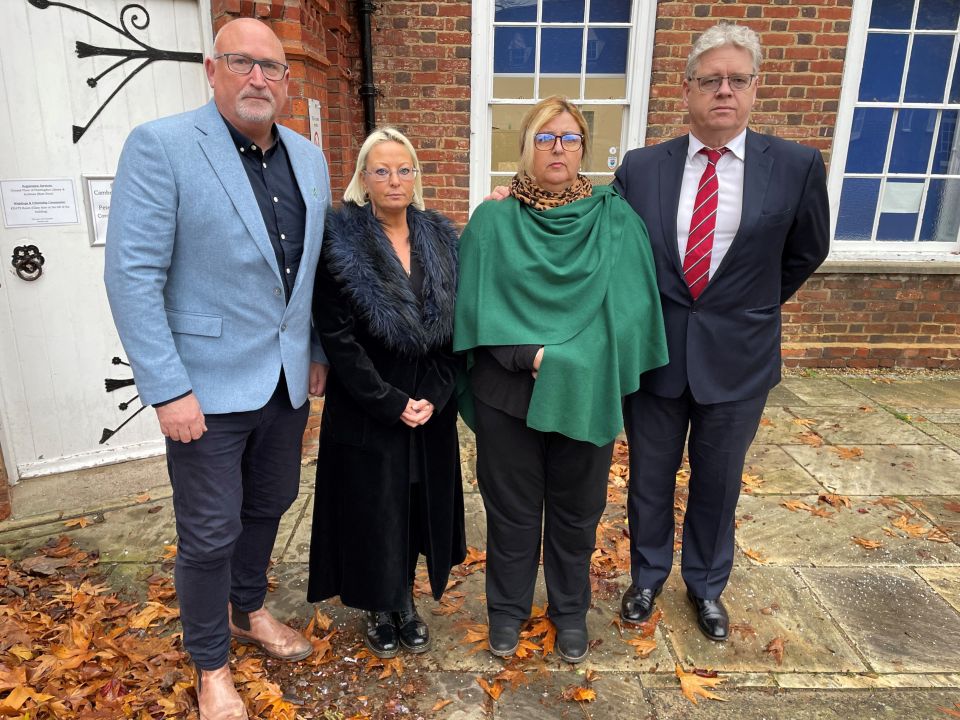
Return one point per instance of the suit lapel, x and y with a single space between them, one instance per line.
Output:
757 165
217 145
303 172
671 178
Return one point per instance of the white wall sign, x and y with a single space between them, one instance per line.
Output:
34 203
97 190
315 136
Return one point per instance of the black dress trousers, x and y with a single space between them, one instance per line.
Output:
532 480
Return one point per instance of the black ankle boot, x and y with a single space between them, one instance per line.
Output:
413 631
381 637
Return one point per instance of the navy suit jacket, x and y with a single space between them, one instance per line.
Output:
726 344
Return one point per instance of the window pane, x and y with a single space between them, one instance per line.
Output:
858 205
610 11
900 210
605 123
562 11
938 14
560 50
505 137
607 50
515 11
868 140
891 13
946 155
912 140
941 218
519 87
566 86
513 49
955 86
929 63
883 67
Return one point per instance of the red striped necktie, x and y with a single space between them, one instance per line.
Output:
696 260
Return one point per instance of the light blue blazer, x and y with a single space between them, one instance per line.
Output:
191 276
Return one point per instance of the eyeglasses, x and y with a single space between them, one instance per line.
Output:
571 142
243 65
738 82
404 174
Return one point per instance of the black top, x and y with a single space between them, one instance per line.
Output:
502 377
278 195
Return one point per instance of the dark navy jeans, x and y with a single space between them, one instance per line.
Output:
230 489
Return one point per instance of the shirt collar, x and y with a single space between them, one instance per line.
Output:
737 146
245 144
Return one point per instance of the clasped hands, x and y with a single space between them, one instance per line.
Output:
417 412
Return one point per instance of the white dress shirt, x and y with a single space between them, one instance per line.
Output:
729 200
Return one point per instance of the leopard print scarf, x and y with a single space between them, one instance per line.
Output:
528 192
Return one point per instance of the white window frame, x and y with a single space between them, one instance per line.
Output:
639 63
846 250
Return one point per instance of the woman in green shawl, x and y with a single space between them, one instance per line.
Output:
558 312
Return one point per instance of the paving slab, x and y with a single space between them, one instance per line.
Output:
882 469
943 394
619 695
469 700
797 538
865 681
945 582
133 534
824 391
869 426
943 511
806 705
764 604
778 426
895 620
293 517
780 474
782 395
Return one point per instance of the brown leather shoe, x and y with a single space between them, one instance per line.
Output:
262 629
217 696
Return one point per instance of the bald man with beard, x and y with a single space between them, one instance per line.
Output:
215 230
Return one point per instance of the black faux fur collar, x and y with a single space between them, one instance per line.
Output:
360 256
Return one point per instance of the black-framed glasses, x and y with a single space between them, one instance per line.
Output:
243 65
404 174
570 142
738 82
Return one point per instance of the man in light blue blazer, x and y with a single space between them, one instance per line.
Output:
215 230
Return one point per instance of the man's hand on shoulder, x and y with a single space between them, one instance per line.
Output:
318 378
500 192
182 420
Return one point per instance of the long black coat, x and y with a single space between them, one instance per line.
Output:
384 347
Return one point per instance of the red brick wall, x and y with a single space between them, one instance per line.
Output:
881 320
421 65
804 44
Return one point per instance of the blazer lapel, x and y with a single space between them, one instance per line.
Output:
217 145
757 166
671 178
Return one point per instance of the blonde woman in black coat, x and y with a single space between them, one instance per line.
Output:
388 469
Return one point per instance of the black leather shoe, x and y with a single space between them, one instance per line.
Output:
572 645
636 605
413 631
381 637
504 640
711 617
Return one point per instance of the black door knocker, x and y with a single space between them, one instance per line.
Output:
28 262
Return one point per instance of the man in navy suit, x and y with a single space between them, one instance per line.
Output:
738 221
214 237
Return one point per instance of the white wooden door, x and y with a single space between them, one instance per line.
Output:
56 334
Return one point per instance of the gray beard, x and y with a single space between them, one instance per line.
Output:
248 113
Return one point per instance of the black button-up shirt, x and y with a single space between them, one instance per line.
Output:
278 195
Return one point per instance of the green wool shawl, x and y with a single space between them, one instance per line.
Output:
578 279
